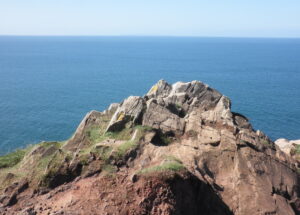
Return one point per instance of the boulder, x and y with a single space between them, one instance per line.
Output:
130 109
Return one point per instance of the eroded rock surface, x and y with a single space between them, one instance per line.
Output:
177 150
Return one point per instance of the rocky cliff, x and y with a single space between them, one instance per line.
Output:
177 150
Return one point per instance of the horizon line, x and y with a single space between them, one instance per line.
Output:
133 35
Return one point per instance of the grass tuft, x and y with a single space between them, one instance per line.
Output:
125 147
173 166
12 158
97 135
108 168
103 152
266 143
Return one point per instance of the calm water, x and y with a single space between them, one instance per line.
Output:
47 84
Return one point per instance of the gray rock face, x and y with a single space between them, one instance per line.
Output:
185 96
166 106
162 88
129 110
159 117
169 106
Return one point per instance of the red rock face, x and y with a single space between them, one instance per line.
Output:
177 150
180 193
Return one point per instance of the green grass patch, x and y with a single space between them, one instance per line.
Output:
126 133
266 143
125 147
30 162
97 135
143 128
172 158
172 166
12 158
165 140
103 152
178 106
108 168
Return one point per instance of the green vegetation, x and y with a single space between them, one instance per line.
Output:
125 147
97 135
172 164
49 144
168 166
43 165
103 152
50 168
266 143
143 128
15 157
179 109
131 144
172 158
47 162
178 106
165 139
110 169
12 158
32 168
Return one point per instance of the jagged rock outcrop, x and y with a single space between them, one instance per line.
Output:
177 150
129 110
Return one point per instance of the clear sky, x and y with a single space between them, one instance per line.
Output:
237 18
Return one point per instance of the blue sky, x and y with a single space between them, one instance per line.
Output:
236 18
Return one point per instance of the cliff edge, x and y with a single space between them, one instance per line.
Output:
177 150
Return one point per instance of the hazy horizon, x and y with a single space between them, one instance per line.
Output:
177 36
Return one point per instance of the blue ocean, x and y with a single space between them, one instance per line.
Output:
48 84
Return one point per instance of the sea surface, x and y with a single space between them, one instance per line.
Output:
48 84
